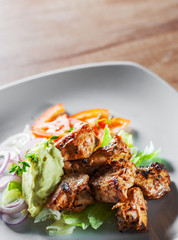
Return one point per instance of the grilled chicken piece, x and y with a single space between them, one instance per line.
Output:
132 213
73 193
80 143
80 166
154 180
111 182
116 150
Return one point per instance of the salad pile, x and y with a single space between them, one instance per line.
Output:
20 157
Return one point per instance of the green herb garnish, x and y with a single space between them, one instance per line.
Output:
70 130
50 141
32 157
19 169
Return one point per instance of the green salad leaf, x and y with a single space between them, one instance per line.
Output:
140 158
77 219
127 138
146 157
98 213
106 138
10 196
94 215
14 185
60 227
47 213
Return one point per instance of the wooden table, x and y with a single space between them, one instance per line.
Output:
42 35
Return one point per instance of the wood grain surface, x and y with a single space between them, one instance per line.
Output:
43 35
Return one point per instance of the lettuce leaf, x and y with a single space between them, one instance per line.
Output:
9 196
94 215
146 157
127 138
76 219
106 138
47 213
60 227
98 213
14 185
140 158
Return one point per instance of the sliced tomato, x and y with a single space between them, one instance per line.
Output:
93 117
54 122
92 113
115 124
100 118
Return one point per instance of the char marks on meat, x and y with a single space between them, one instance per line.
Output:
80 166
73 193
154 180
116 150
111 182
80 143
113 178
132 213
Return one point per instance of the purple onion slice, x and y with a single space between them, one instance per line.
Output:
11 209
14 219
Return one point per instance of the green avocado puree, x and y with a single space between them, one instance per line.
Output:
42 177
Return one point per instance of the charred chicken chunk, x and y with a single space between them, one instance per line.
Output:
132 213
80 143
154 180
80 166
73 193
111 182
116 150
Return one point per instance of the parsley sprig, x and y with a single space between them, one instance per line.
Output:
32 157
50 141
22 166
19 169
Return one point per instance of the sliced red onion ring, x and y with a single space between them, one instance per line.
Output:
14 219
6 179
11 209
5 162
28 146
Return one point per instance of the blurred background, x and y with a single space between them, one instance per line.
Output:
42 35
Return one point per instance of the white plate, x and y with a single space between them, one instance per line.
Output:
128 90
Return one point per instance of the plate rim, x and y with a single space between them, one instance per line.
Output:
88 66
85 66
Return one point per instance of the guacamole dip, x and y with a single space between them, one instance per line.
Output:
41 178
